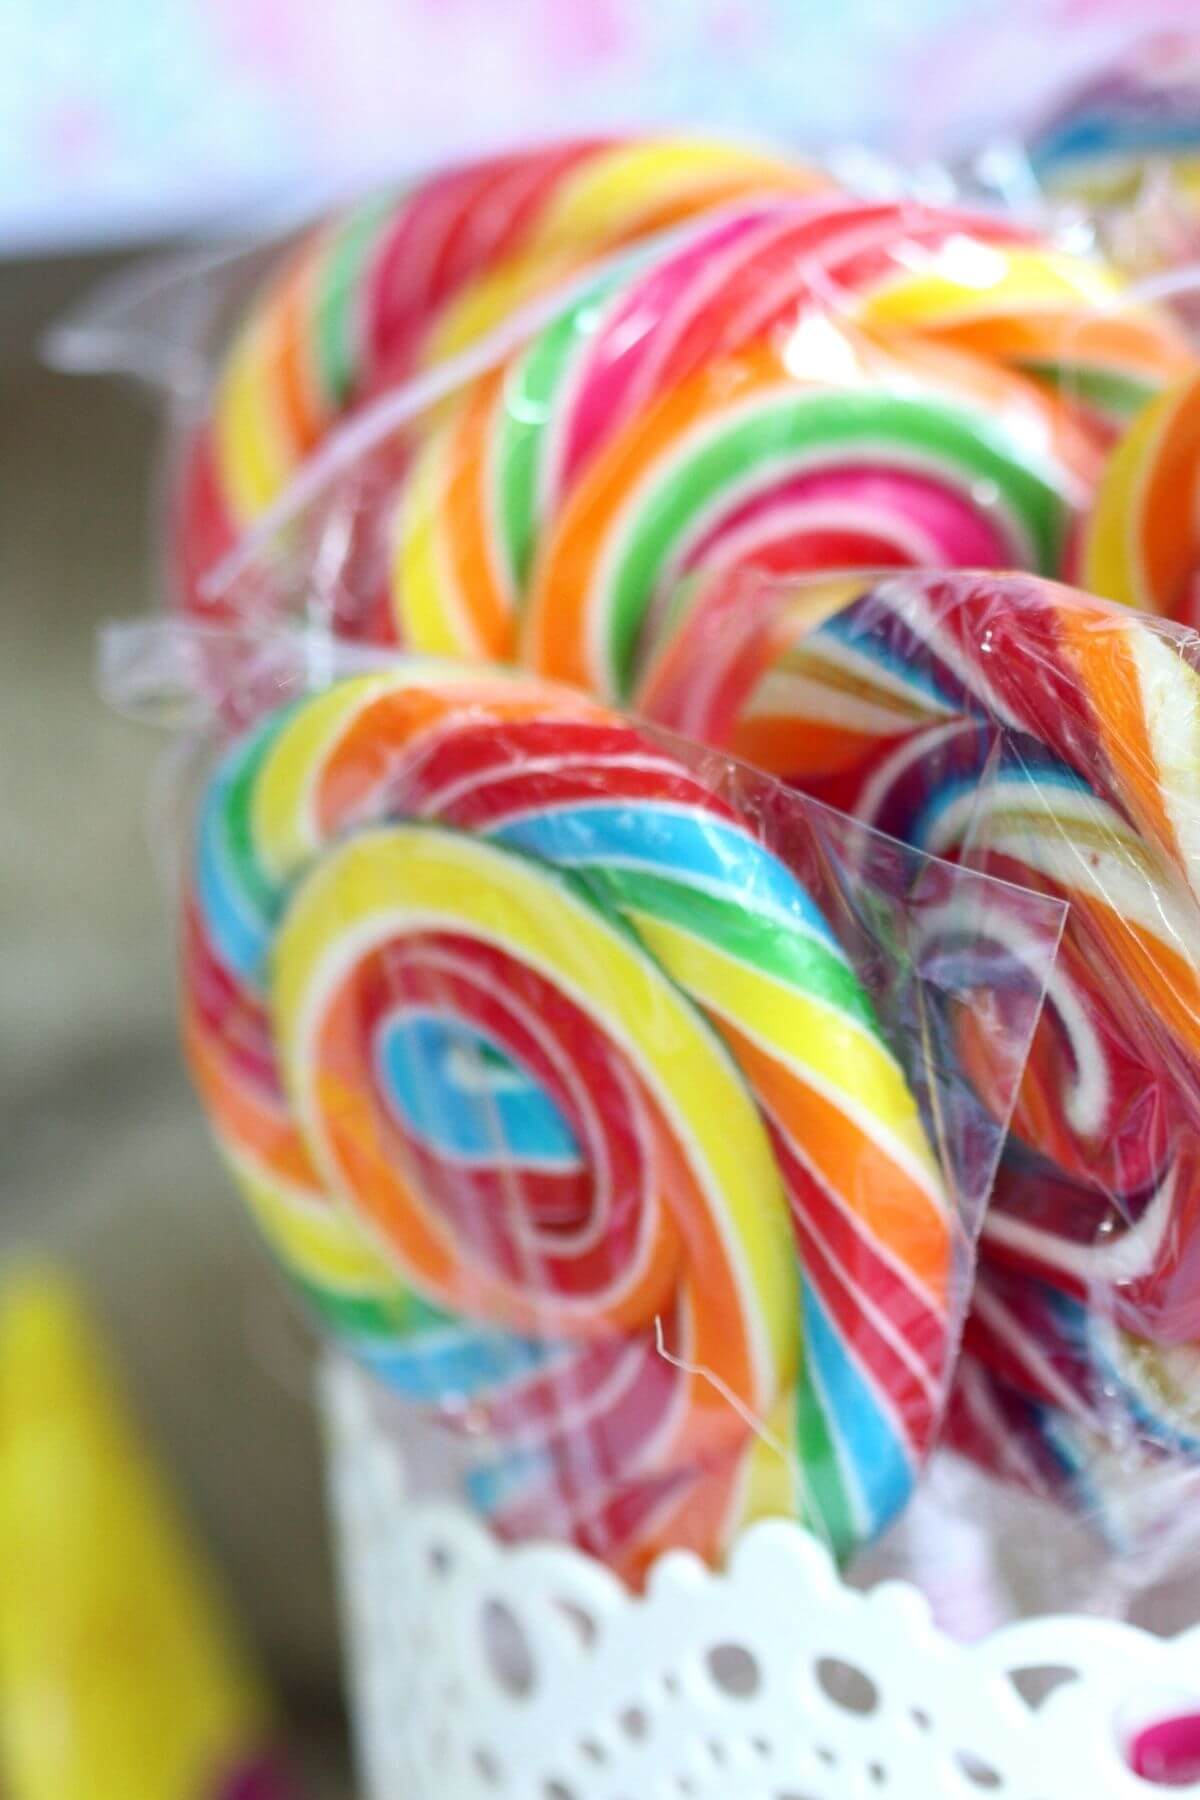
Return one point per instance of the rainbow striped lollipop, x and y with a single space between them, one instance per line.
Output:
554 1093
800 385
1052 739
402 281
1126 145
1141 543
791 378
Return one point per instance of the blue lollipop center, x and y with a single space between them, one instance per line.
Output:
462 1095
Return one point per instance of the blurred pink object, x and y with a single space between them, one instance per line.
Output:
133 120
1168 1753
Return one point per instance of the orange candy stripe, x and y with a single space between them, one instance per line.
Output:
1101 646
1168 515
264 1131
892 1208
468 533
556 628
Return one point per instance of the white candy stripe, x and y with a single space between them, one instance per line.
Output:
927 1376
1124 1258
1027 1351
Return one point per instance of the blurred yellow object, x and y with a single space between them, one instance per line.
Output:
121 1677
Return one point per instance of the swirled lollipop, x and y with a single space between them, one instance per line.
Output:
553 1091
1052 739
1141 542
801 385
790 380
1051 1395
397 283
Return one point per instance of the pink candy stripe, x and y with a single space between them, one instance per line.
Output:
964 537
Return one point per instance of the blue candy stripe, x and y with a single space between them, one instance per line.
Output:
496 1485
850 631
507 1113
876 1471
462 1361
240 902
1118 1380
686 845
1011 772
239 931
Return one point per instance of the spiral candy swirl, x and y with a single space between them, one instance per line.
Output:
794 378
801 384
528 1054
400 282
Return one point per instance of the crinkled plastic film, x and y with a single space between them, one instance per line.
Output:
605 1098
443 413
165 322
286 341
802 383
798 384
1026 729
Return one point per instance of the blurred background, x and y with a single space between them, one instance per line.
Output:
125 126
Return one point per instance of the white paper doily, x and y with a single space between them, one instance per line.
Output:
481 1672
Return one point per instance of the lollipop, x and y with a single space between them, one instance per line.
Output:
800 385
1141 544
1128 142
792 381
554 1093
1051 1396
378 293
1050 739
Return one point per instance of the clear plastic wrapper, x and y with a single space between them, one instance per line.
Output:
1029 730
263 352
604 442
434 422
608 1100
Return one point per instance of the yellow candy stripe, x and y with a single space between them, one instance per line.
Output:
284 826
1142 542
321 1242
253 449
965 280
818 1040
450 884
648 179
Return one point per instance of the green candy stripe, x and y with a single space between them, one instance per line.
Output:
337 306
794 426
827 1505
237 809
530 406
397 1315
789 955
1109 392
